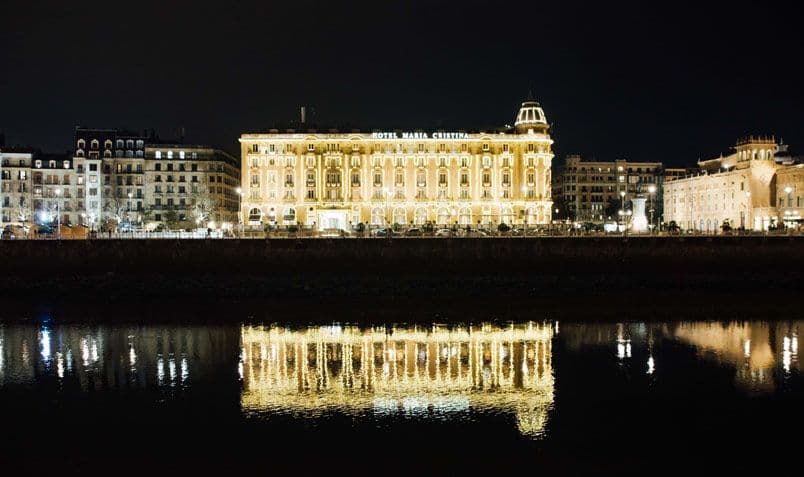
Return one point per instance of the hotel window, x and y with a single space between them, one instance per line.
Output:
421 179
400 178
464 147
530 177
464 193
486 178
530 162
421 147
442 194
530 147
376 161
442 179
311 193
181 154
290 161
420 162
310 178
485 146
355 161
506 162
399 162
506 194
333 178
272 177
464 162
355 179
442 147
486 161
271 147
442 162
289 179
505 147
464 178
311 147
377 178
486 193
506 179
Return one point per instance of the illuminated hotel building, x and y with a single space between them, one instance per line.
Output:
332 179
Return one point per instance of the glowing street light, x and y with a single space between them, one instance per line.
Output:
651 191
58 213
240 209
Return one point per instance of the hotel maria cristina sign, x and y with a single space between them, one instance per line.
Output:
336 180
419 135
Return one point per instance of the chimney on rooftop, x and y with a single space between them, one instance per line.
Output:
303 115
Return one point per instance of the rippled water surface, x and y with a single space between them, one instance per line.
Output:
565 396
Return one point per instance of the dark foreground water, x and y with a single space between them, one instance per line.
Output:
337 398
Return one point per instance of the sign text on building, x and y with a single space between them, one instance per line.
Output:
419 135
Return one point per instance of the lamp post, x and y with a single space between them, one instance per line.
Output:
128 212
240 209
651 191
58 213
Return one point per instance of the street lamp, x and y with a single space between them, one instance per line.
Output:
58 213
240 209
651 191
128 212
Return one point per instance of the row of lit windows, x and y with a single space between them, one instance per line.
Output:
383 147
95 144
486 162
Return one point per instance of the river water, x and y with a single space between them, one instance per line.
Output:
393 398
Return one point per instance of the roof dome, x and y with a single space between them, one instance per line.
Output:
531 116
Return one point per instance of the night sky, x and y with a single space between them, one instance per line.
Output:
639 82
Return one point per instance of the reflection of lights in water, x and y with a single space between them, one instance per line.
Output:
432 372
794 344
44 342
624 350
651 366
69 361
84 352
747 348
132 357
185 371
786 354
160 370
172 371
59 365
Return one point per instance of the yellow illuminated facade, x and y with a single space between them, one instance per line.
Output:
335 180
410 370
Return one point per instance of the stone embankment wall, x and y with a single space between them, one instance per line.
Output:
261 268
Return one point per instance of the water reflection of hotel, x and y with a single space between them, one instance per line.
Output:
410 370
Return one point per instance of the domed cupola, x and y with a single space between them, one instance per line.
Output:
531 117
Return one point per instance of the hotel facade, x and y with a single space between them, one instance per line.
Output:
336 180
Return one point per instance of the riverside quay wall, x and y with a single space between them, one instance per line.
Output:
401 266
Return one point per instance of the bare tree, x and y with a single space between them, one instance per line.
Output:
203 207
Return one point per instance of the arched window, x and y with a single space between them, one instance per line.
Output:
254 215
94 144
507 215
107 144
289 217
465 216
400 217
377 216
486 216
443 216
420 216
120 144
107 153
82 144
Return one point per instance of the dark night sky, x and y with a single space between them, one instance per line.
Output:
640 81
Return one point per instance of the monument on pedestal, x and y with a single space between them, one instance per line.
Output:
639 223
